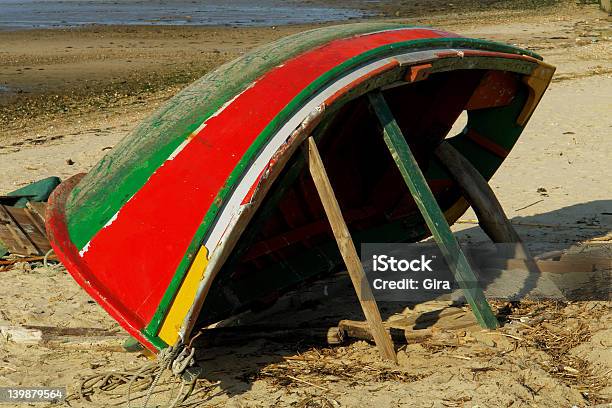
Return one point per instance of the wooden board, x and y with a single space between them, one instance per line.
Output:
40 209
77 338
22 231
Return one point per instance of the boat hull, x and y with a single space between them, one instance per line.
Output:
165 230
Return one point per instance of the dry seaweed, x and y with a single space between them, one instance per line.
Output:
544 326
316 368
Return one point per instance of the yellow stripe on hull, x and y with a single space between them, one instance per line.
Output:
183 300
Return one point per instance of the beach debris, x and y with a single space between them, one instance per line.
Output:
21 335
72 338
327 366
27 259
22 219
439 328
38 191
22 232
557 328
529 205
144 384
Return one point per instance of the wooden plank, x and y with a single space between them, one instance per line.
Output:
406 331
40 209
78 338
348 251
478 193
13 237
32 226
21 335
425 200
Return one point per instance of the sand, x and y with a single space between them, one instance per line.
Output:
85 89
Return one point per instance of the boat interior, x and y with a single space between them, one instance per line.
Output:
289 240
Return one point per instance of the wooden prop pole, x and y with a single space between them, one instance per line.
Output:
478 193
425 200
349 253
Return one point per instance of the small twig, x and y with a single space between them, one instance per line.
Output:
460 357
529 205
507 335
524 324
309 383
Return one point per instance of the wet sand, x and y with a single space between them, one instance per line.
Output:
25 14
85 89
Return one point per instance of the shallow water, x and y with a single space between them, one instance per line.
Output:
16 14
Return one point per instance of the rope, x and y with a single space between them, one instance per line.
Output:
49 252
165 358
143 382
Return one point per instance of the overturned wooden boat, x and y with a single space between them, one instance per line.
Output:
206 209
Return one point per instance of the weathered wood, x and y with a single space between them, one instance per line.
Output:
40 209
21 335
32 226
51 331
113 344
478 193
491 216
408 331
13 237
434 218
348 251
77 338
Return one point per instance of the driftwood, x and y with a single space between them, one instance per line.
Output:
352 329
415 327
79 338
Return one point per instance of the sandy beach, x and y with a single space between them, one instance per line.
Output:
67 96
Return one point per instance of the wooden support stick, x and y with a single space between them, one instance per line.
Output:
478 193
349 253
425 200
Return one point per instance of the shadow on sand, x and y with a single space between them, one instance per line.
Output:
324 302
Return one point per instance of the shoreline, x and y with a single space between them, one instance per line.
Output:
60 76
